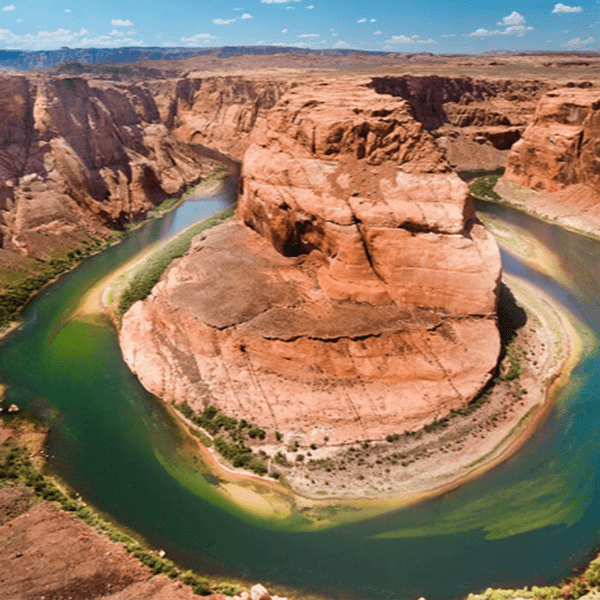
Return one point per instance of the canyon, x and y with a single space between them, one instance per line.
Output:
307 273
361 270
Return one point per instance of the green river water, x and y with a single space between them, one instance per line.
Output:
531 520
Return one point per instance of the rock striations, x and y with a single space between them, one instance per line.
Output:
353 296
79 158
559 153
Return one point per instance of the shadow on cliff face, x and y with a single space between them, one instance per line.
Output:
511 317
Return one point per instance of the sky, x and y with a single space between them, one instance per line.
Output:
437 26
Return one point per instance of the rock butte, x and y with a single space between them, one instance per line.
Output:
353 296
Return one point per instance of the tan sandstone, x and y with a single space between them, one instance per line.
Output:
558 155
353 296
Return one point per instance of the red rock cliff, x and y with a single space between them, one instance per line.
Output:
77 157
355 294
560 151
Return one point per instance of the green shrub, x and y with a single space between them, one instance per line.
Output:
199 585
592 574
515 370
483 187
280 459
227 589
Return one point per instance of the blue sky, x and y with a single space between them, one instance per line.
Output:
442 26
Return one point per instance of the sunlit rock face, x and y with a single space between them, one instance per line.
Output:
559 153
354 294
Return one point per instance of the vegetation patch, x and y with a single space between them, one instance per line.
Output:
148 275
19 292
17 468
229 436
572 588
483 187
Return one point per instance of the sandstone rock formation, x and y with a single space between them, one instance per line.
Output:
78 158
559 153
81 156
48 553
355 293
475 121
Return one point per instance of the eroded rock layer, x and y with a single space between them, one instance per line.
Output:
78 158
559 153
353 296
475 121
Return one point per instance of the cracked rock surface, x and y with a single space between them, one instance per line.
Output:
354 294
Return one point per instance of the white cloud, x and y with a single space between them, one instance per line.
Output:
308 35
9 7
18 20
404 39
278 1
514 25
222 21
194 40
377 32
517 30
513 19
67 10
373 21
290 7
121 23
50 40
578 42
284 30
399 39
246 16
341 44
310 7
563 8
448 35
361 21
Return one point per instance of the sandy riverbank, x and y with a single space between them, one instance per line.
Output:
383 475
434 460
581 216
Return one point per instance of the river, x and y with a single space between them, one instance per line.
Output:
531 520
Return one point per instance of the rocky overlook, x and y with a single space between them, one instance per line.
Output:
353 296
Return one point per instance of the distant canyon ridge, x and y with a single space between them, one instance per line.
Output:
354 294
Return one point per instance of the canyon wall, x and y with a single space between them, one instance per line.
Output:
559 154
79 158
85 156
353 296
475 121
